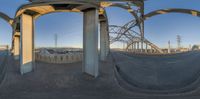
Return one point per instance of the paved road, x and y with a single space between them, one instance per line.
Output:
66 81
2 56
159 73
60 81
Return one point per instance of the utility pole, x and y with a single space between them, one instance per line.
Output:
56 40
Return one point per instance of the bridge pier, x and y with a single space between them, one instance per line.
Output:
138 46
151 50
90 42
16 47
142 47
146 48
169 47
107 43
26 43
134 47
103 40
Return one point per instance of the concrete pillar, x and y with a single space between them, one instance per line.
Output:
146 47
26 44
132 47
107 44
107 40
151 50
142 46
103 40
16 47
169 49
135 47
90 42
138 46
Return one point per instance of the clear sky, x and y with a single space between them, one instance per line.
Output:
159 29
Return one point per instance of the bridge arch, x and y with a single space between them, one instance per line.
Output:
6 18
28 13
172 10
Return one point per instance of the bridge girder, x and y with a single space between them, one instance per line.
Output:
6 18
172 10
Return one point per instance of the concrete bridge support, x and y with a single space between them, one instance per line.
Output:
146 48
90 42
16 47
142 47
169 47
138 46
107 45
151 49
26 43
134 47
103 40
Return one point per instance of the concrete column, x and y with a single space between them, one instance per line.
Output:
169 47
26 44
103 40
138 46
107 45
142 46
132 47
90 42
151 50
146 48
16 47
108 40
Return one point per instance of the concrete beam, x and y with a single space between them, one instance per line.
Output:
90 42
26 44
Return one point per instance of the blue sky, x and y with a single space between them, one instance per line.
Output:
159 29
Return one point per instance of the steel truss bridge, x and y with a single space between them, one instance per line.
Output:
132 33
134 42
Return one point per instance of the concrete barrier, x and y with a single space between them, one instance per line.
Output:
59 58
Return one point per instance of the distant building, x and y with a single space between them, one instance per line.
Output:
184 49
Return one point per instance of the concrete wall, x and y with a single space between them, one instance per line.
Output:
59 58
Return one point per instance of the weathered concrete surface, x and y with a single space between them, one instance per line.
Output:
172 73
90 42
16 47
3 62
2 56
26 43
53 81
103 40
